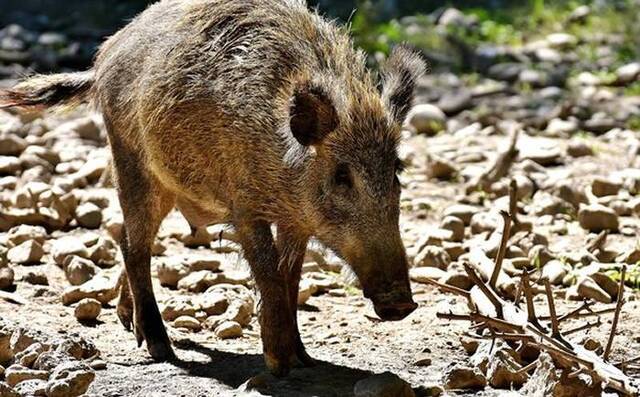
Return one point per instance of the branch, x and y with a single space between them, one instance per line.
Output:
616 315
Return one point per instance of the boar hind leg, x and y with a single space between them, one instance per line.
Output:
125 303
292 249
277 327
144 204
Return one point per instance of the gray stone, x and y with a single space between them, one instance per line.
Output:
383 385
88 309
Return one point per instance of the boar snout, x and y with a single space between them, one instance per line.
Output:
395 311
393 306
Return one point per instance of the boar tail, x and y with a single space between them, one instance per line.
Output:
43 91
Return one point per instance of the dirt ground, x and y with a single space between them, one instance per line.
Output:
340 332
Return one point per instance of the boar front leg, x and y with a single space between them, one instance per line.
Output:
292 248
277 327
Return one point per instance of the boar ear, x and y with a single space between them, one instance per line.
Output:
400 74
313 114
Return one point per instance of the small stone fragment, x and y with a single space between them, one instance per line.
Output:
579 148
21 233
596 217
6 278
71 379
200 281
228 330
88 309
187 322
605 187
99 288
66 246
426 119
28 252
587 288
32 387
432 256
17 373
462 211
554 271
460 377
88 216
35 278
421 274
383 385
441 168
7 391
455 225
79 270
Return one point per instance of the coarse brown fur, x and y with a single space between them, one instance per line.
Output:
256 113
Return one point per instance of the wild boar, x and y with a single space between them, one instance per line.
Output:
257 113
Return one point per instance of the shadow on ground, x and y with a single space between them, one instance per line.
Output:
202 371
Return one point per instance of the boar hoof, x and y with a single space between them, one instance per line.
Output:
278 367
305 359
161 351
125 313
150 328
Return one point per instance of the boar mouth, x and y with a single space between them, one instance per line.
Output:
394 311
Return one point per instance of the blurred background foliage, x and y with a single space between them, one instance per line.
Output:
453 34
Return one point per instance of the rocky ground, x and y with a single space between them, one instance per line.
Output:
566 137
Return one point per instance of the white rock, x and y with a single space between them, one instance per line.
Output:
427 119
28 252
88 309
228 330
67 246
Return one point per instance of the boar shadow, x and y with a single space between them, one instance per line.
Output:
234 369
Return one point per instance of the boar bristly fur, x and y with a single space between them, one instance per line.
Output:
255 113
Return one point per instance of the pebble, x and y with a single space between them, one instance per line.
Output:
383 385
306 289
178 306
187 322
596 217
457 278
427 119
213 303
6 278
16 373
605 187
201 280
7 391
31 387
88 215
228 330
67 246
9 165
432 256
441 168
35 278
461 211
554 271
27 253
71 379
88 309
79 270
588 288
460 377
22 233
579 148
421 274
455 225
99 288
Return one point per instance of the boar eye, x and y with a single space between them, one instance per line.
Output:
342 176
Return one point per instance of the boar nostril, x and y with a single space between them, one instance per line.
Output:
394 312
